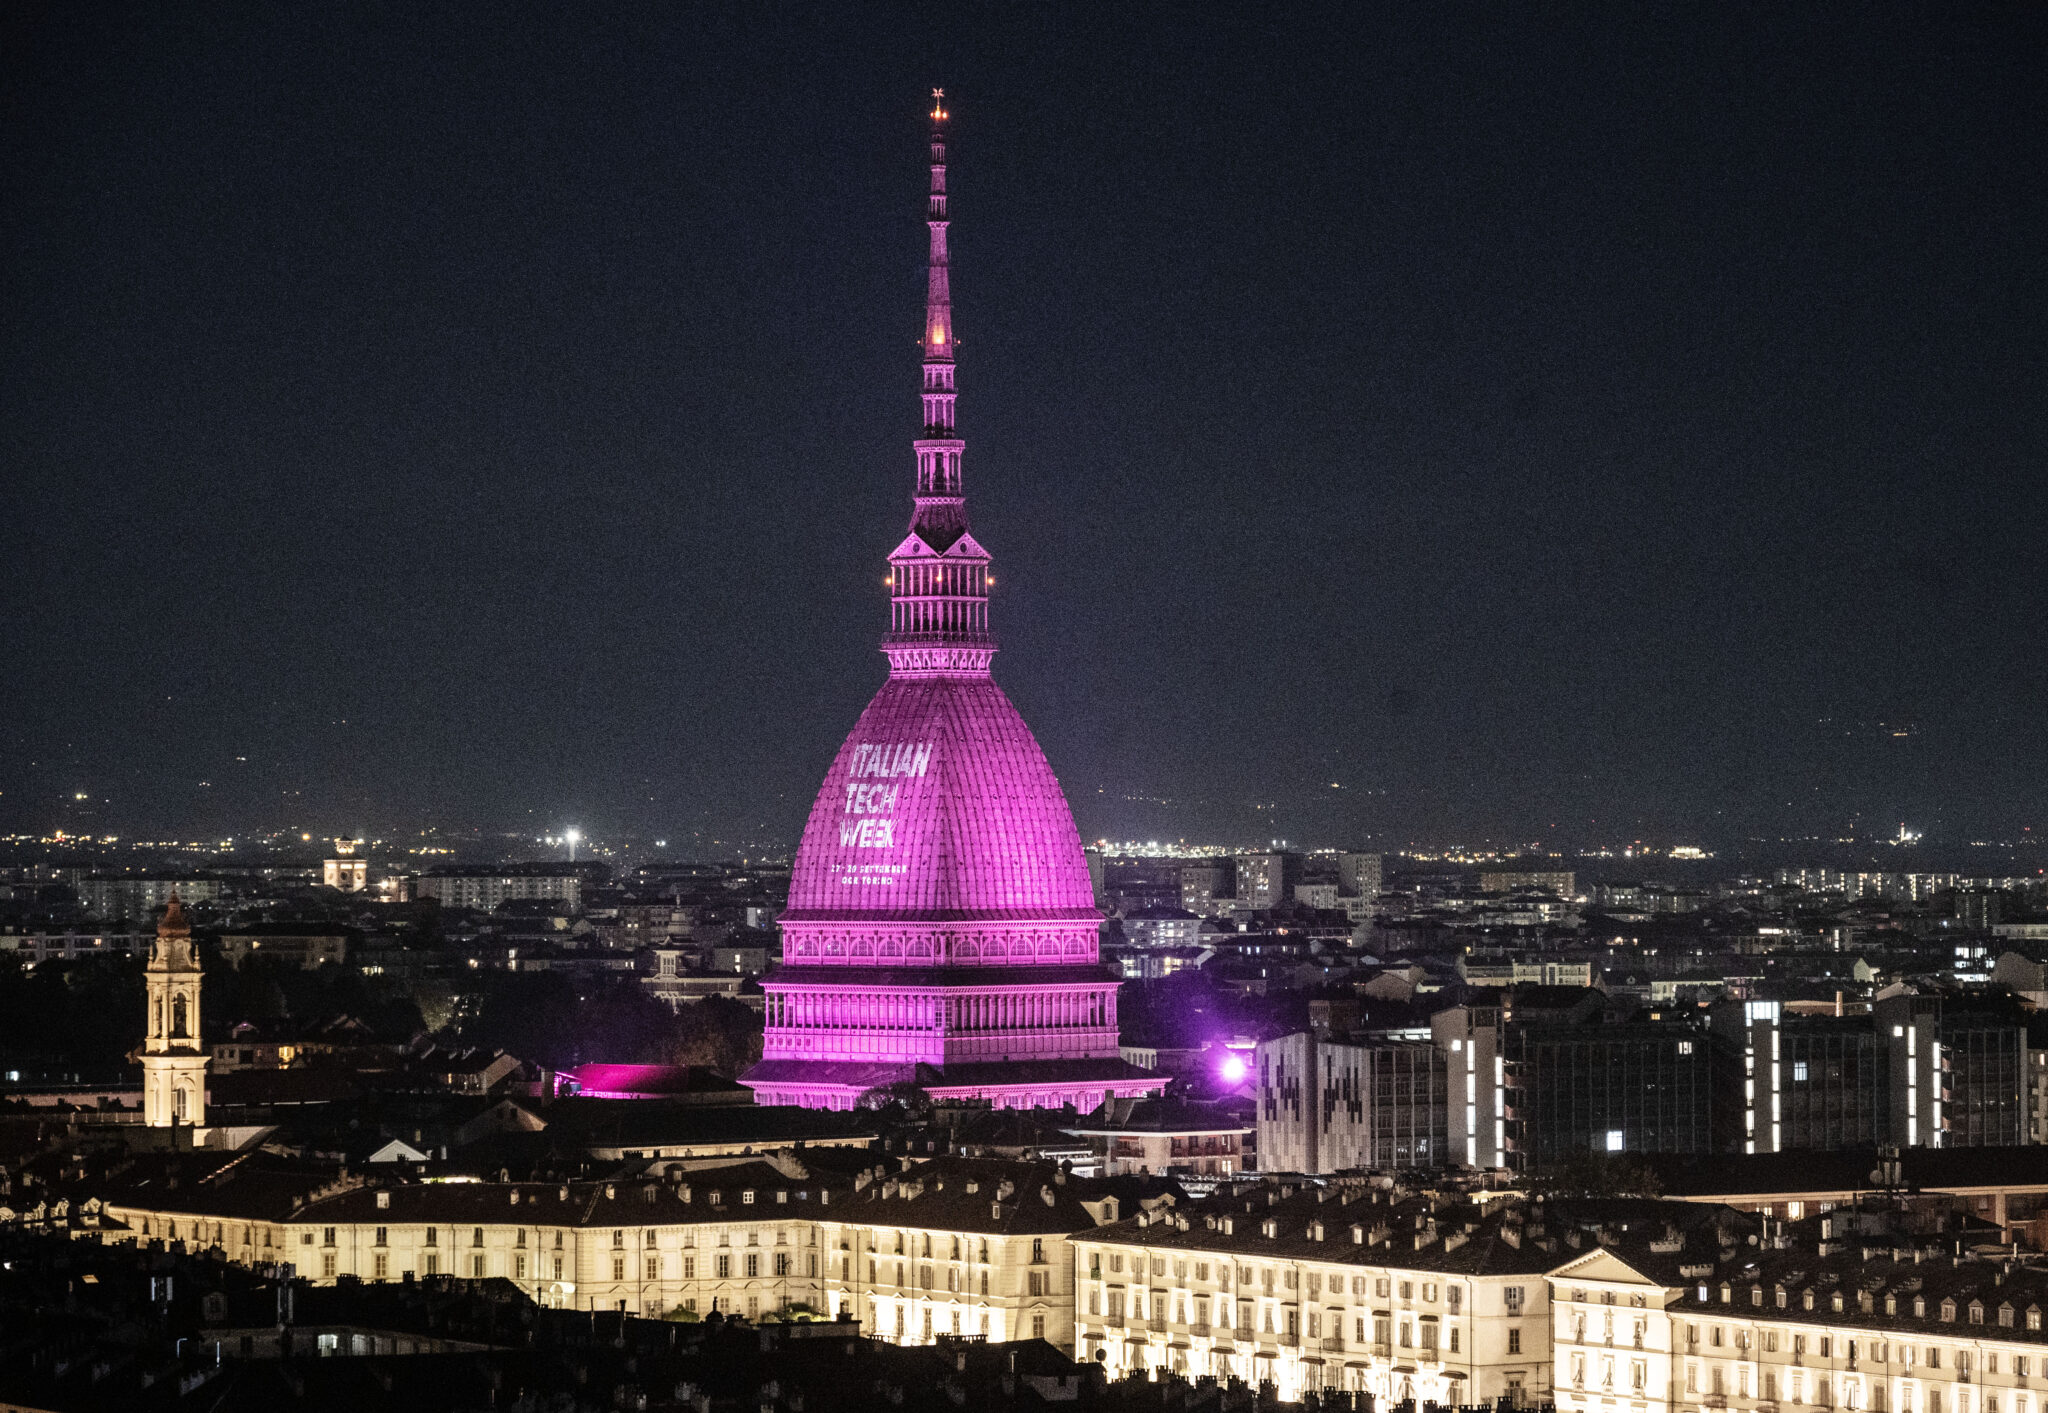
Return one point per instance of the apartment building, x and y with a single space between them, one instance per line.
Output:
1839 1326
137 899
1310 1287
955 1246
1563 882
486 889
35 947
1266 880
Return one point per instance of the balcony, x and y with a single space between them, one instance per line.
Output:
1199 1329
1333 1345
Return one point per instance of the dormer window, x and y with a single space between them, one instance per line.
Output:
1948 1312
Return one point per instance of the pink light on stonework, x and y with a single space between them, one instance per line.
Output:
941 925
941 806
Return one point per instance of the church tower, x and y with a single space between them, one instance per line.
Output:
173 1059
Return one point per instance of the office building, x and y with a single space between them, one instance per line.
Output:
1328 1105
1636 1087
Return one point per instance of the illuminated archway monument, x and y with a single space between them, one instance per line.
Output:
941 930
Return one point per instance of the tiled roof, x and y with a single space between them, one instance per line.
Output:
632 1123
968 1194
1158 1115
713 1195
251 1186
1943 1285
1456 1241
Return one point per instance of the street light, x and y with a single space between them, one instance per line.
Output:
572 836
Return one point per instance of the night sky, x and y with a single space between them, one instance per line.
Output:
1541 424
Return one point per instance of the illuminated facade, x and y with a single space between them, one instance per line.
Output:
347 870
956 1247
1863 1330
173 1060
1319 1288
941 927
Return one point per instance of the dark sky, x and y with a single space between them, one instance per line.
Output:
1539 422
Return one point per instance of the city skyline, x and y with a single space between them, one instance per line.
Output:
1407 434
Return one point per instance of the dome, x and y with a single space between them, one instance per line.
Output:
940 807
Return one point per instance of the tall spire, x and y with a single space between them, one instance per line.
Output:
939 576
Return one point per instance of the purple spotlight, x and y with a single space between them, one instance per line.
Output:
1233 1069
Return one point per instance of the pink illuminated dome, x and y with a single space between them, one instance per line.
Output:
941 929
941 806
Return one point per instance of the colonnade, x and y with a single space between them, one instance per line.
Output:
983 1011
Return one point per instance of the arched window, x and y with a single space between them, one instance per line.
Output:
178 1031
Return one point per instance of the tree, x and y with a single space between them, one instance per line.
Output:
1586 1174
910 1097
718 1034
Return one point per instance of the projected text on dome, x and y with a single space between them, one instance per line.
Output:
867 818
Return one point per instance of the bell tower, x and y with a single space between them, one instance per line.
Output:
173 1059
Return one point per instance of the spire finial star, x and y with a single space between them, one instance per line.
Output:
938 104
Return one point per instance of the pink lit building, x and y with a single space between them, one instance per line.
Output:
941 929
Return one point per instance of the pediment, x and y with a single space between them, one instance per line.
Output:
966 549
1602 1265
